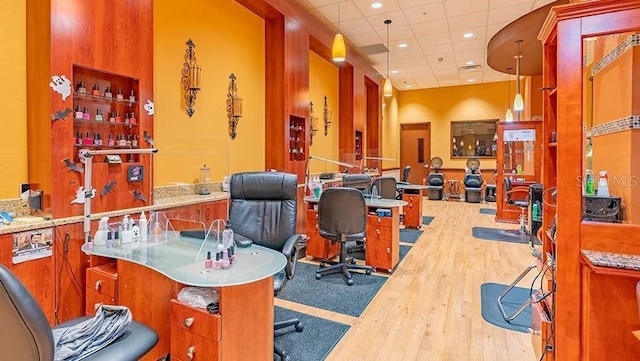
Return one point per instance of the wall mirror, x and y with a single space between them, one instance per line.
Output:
611 124
518 152
474 139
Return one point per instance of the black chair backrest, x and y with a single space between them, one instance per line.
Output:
358 181
507 188
473 180
342 210
385 186
26 334
405 173
263 207
435 179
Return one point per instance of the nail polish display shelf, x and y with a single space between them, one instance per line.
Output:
102 99
104 146
104 122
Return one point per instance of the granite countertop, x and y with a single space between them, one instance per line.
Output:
613 260
26 223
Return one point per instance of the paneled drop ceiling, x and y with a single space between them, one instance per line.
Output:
436 52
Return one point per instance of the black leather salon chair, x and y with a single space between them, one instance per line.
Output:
26 334
472 188
435 183
357 181
342 217
263 210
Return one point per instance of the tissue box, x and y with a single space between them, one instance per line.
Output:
383 212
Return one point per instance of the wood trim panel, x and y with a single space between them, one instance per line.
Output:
610 237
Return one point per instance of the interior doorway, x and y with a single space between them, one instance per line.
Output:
415 149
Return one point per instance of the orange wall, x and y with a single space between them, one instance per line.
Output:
440 106
229 39
13 97
323 81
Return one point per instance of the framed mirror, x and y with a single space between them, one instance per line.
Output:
474 139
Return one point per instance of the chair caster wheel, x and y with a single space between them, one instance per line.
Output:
349 282
367 272
318 276
286 358
353 261
299 327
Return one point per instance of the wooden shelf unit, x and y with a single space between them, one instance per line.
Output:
594 311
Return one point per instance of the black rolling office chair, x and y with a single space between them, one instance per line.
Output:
385 188
263 210
403 180
357 181
342 217
27 336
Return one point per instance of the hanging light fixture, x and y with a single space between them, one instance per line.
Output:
518 102
338 50
508 117
387 88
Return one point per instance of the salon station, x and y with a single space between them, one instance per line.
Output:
320 180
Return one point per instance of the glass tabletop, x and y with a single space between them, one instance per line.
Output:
176 259
371 202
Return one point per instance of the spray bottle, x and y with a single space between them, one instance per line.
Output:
603 184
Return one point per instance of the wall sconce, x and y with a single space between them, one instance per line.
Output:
326 116
312 124
190 77
234 106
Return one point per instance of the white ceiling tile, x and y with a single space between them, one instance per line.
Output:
470 45
430 28
478 33
306 3
477 53
407 4
445 71
540 3
364 39
408 62
476 61
424 13
435 58
378 58
356 26
431 40
319 3
367 10
502 3
460 7
318 15
396 33
468 21
438 49
397 19
348 11
407 54
508 14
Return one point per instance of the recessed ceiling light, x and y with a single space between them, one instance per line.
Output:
403 45
470 62
408 85
471 80
394 72
376 5
467 35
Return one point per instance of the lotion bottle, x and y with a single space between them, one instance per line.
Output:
142 223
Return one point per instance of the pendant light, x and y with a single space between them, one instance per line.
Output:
387 88
338 50
518 102
508 117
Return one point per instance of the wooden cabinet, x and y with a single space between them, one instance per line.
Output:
412 212
383 237
594 313
101 287
519 159
318 247
195 334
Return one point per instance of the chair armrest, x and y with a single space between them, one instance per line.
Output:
518 189
400 182
242 241
290 251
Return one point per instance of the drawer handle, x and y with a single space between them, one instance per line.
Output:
379 220
317 226
98 285
97 305
378 230
191 352
316 215
388 250
410 205
188 322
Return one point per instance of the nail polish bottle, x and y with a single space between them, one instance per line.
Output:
88 140
96 90
217 264
119 95
110 140
208 263
98 115
96 139
132 96
118 118
81 89
132 118
233 254
134 141
79 113
85 113
79 139
108 93
112 117
126 118
128 142
225 259
123 141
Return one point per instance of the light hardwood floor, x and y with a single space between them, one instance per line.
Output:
429 309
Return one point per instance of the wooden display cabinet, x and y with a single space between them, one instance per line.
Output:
594 307
358 145
297 139
519 146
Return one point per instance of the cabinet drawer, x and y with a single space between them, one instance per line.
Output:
94 299
312 214
197 321
380 221
103 279
186 345
381 254
375 232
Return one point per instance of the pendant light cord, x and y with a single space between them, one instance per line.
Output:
388 21
509 88
339 16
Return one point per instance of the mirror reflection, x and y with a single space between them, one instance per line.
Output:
518 157
610 120
475 138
